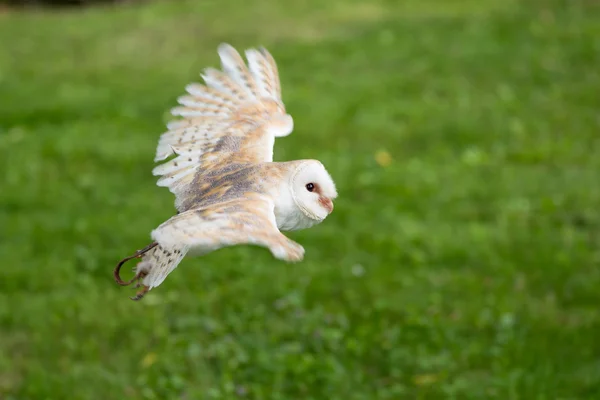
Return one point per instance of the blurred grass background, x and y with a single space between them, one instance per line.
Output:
462 259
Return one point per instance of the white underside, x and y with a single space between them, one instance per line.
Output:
289 217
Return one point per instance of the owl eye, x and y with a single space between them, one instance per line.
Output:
310 187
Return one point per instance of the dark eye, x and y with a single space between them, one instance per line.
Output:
310 187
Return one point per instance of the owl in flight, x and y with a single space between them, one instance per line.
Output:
228 191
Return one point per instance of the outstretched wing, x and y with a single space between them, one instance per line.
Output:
199 231
233 118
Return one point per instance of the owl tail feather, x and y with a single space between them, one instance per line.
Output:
157 262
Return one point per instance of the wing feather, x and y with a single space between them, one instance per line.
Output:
199 91
220 81
273 67
233 117
264 74
233 65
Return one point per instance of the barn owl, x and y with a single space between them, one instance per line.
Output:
218 162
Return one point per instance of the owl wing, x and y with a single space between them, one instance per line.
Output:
233 118
245 221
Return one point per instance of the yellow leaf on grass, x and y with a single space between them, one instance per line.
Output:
425 379
383 158
148 360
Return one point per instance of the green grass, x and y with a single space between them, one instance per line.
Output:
465 265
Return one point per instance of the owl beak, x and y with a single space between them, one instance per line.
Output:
327 204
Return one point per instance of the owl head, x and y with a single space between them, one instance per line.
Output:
313 190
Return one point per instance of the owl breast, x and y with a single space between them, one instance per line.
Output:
293 219
288 216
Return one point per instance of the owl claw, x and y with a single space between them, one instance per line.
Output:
139 275
141 293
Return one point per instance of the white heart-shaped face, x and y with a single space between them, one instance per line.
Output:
313 190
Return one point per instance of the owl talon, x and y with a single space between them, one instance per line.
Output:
139 275
140 294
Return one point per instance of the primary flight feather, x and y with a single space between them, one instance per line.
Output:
228 191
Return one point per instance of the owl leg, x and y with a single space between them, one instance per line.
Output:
139 275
